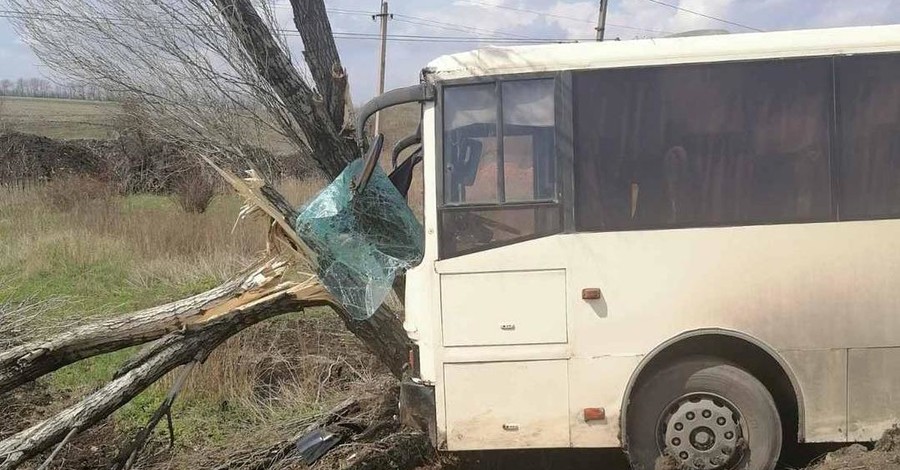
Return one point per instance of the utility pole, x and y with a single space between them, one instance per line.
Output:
384 16
601 20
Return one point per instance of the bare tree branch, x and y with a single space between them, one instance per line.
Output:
332 150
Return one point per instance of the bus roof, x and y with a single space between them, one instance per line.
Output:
679 50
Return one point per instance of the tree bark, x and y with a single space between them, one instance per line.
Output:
321 55
181 347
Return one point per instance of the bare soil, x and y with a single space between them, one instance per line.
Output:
885 455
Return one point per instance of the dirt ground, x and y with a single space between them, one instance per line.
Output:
885 455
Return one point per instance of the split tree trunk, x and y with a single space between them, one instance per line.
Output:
322 57
27 362
331 147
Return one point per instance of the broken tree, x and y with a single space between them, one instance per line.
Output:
316 117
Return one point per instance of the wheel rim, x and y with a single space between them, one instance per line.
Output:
701 431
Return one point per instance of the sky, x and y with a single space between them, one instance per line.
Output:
554 19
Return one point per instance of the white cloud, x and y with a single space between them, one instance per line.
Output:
587 11
685 21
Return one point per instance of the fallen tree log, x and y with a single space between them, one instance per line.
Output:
193 343
29 361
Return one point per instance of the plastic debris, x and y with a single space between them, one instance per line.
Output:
364 239
315 444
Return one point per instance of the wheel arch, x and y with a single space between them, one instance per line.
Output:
742 349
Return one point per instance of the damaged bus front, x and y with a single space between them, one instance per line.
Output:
417 396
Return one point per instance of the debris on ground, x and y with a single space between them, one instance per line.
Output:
885 455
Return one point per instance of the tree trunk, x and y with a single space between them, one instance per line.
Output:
29 361
321 55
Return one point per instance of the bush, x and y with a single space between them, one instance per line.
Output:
194 189
66 193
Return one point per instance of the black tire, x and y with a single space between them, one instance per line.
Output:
662 399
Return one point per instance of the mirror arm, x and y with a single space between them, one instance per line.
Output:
371 160
405 143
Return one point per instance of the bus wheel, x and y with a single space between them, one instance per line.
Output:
701 413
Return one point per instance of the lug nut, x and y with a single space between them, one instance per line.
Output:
679 426
729 435
721 421
690 415
676 442
707 413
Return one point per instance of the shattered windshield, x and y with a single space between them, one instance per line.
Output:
364 239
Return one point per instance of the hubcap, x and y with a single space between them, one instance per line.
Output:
700 431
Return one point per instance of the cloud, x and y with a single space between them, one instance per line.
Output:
685 21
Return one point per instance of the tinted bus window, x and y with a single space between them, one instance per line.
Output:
703 145
869 100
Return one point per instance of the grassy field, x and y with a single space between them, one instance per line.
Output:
78 119
58 118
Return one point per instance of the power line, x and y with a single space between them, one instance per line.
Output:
418 20
14 14
704 15
564 17
452 26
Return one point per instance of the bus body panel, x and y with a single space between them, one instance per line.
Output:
822 377
667 51
811 291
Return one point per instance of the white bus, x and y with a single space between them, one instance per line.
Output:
688 248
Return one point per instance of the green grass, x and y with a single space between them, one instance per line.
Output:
60 119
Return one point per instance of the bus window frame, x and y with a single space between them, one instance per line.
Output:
563 145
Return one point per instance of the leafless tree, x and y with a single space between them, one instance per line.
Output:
200 70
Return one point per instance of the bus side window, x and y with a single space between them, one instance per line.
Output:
703 145
869 100
529 166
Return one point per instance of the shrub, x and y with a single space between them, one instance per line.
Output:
194 189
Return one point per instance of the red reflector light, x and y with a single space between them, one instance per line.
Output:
591 293
594 414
